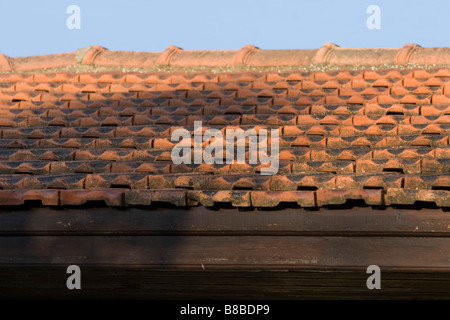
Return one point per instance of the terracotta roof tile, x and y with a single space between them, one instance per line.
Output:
19 196
367 129
275 198
176 197
111 197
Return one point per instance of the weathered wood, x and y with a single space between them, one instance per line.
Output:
113 283
143 221
196 253
238 252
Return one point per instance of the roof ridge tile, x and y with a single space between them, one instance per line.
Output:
249 56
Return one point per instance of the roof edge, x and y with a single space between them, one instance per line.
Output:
248 56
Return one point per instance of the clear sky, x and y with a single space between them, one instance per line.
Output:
30 27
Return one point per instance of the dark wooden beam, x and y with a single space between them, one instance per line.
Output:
360 221
141 283
230 252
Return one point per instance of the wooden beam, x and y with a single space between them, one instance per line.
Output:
364 221
230 252
134 283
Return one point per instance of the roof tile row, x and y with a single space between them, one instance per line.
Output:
237 198
399 165
247 56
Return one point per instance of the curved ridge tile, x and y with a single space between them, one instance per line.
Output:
250 56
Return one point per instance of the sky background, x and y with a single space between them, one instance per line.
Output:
39 27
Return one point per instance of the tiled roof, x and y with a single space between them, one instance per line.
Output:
381 136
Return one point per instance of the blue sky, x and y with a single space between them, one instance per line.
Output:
39 27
